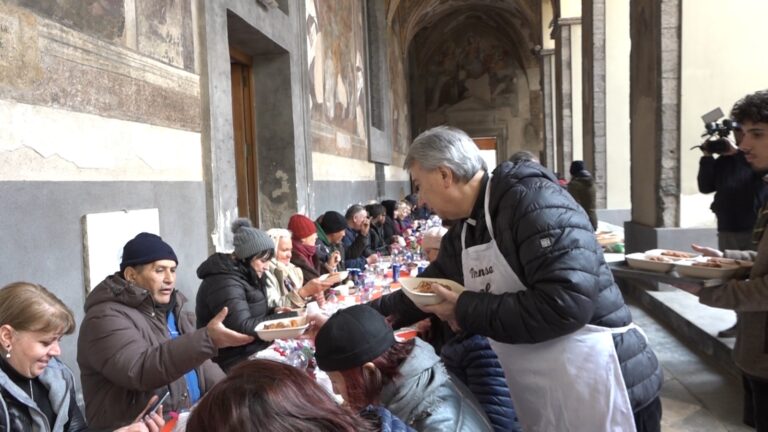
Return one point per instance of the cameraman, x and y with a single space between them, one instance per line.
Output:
739 192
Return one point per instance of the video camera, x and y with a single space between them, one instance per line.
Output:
717 132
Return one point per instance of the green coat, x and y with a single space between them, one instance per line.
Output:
583 191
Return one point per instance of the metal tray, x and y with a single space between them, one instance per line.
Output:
622 270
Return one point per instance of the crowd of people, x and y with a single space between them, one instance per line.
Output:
540 338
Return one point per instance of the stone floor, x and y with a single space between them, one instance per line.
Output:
699 393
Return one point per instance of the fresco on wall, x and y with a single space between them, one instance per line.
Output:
165 31
469 65
398 93
336 72
101 18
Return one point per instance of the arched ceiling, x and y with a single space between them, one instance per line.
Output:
517 19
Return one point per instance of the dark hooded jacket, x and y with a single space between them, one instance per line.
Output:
126 354
229 283
550 245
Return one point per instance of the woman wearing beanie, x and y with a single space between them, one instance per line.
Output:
304 256
357 348
238 281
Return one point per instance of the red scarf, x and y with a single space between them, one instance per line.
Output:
306 252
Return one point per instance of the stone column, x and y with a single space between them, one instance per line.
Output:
546 57
564 92
593 82
655 120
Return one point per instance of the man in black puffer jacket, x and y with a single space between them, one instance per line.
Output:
537 286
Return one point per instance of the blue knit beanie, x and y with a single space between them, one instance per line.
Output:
146 248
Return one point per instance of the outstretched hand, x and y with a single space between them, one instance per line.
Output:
223 337
707 251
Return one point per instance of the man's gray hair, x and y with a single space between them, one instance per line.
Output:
449 147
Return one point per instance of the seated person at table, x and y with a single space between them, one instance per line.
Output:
38 391
285 281
236 281
356 241
263 395
377 240
331 227
357 348
304 255
136 339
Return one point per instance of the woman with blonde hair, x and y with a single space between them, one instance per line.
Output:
284 280
38 391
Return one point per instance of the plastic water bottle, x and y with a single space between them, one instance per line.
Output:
395 272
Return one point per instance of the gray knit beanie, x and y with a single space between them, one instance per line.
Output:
249 241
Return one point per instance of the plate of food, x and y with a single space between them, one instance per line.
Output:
284 328
671 254
650 262
707 268
342 275
419 290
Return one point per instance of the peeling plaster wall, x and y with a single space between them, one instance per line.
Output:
100 111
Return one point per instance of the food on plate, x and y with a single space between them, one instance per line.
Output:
658 258
424 287
281 325
676 254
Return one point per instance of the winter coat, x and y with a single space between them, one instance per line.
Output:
749 298
550 245
126 354
474 363
739 191
583 191
229 283
427 398
386 421
282 284
20 412
355 248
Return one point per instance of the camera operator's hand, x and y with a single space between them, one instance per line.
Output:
732 150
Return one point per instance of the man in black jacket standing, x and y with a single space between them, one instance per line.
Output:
537 285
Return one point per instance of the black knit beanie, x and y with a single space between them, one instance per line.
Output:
351 338
146 248
333 222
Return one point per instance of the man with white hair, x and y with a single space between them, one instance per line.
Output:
537 285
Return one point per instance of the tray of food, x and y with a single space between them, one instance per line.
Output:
419 290
284 328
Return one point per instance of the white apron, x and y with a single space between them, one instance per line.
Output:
571 383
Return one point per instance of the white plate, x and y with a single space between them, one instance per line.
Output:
639 261
342 274
286 333
686 268
427 299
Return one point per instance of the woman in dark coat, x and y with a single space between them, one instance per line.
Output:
237 281
582 188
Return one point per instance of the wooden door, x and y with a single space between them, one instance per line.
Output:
245 145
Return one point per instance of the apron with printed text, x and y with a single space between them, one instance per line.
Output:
571 383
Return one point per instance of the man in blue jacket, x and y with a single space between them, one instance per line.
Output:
537 285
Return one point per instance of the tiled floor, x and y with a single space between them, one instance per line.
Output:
698 395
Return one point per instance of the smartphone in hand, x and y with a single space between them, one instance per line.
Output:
152 408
